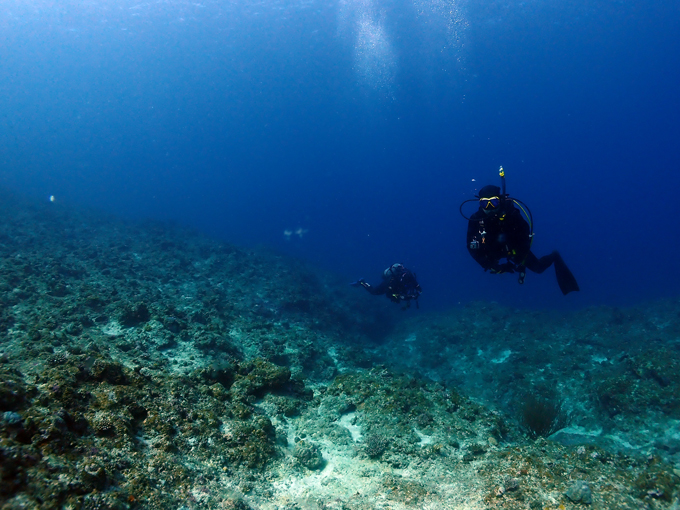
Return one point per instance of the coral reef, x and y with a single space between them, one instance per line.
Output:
146 366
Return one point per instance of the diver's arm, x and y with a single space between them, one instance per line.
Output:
376 290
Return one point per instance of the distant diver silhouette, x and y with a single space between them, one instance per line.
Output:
398 284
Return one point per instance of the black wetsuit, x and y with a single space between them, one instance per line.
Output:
399 287
507 235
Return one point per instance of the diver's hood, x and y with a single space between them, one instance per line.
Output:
489 191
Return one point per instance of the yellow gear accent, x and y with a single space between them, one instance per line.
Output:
531 225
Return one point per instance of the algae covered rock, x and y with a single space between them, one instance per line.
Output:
100 369
309 455
258 377
12 392
656 483
579 492
133 315
375 445
250 443
648 380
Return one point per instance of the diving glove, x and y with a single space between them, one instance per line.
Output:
503 268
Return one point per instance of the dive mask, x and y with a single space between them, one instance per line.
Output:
490 203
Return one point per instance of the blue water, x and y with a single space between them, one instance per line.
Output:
364 123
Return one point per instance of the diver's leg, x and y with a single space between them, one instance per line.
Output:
537 265
565 278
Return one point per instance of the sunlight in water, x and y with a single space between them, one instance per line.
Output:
361 23
445 15
365 24
374 59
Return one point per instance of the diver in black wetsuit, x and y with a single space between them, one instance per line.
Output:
399 284
498 231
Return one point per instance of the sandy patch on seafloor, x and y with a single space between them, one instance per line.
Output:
360 482
346 479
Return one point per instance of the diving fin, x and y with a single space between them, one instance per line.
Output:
565 278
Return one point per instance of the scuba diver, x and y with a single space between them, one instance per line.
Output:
398 284
498 231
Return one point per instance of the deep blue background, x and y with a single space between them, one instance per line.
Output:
365 123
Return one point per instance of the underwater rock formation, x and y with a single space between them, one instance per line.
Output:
146 366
